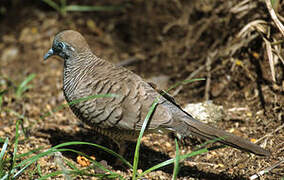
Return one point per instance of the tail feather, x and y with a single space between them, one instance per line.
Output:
190 126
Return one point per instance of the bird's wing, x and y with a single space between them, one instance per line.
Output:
128 109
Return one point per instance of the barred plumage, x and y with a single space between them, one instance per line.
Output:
122 117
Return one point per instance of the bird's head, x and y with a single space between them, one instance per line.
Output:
67 44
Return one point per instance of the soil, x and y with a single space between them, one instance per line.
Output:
169 38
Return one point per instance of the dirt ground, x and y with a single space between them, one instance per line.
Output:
177 39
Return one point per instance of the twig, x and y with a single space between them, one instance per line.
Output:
269 134
274 16
208 79
260 173
270 58
254 25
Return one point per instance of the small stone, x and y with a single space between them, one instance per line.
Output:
2 133
249 114
168 145
10 54
206 111
7 129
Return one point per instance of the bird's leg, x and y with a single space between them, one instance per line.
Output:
121 151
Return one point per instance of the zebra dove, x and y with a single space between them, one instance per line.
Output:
121 117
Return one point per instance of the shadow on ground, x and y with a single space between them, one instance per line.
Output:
148 157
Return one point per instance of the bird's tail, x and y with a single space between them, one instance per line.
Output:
187 125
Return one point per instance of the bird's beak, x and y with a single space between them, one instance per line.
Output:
48 54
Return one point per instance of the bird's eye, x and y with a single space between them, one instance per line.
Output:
61 45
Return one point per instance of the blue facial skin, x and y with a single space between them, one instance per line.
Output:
58 48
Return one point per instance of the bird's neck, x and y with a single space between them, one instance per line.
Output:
76 70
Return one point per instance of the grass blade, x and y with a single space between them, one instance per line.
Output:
2 153
93 8
2 158
29 152
71 165
23 86
3 150
176 167
56 173
181 157
148 116
170 161
184 82
136 155
39 170
15 145
5 177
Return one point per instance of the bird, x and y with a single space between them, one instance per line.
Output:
121 117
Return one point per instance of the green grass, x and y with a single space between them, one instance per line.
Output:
8 164
24 86
136 155
63 8
17 89
15 170
176 167
3 172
